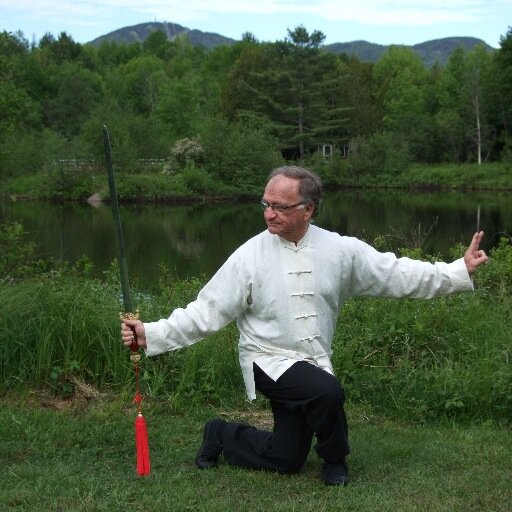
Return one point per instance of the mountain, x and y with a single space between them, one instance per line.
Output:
138 33
437 50
440 49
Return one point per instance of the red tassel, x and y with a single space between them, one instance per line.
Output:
142 446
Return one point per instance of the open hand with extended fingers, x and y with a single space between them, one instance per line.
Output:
474 256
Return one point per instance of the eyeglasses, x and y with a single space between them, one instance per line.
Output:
279 208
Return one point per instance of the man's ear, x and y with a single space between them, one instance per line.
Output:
309 209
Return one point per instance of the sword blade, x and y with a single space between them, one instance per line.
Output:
123 269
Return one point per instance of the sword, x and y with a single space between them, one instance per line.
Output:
141 434
123 268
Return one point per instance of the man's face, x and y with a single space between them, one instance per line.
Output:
293 223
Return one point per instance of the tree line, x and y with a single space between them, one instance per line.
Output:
236 111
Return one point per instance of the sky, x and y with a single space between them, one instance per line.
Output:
378 21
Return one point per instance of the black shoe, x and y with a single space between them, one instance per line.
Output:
335 473
208 455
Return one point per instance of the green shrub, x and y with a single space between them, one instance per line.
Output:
380 154
16 254
195 179
68 182
496 277
30 153
239 155
334 171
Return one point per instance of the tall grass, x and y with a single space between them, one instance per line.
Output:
445 358
448 357
59 324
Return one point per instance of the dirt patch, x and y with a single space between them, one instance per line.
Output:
261 419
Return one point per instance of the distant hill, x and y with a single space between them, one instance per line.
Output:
139 33
440 49
430 51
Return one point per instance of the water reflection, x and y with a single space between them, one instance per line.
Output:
193 240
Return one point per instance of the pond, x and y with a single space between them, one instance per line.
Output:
195 240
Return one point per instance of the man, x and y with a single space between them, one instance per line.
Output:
285 288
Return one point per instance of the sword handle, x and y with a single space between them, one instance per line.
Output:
134 347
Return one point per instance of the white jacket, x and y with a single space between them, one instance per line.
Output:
286 297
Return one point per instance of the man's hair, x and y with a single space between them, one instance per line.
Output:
310 186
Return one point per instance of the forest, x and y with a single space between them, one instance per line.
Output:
232 113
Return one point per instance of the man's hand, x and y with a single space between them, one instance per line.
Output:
127 327
474 257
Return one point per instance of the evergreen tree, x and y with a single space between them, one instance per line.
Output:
290 88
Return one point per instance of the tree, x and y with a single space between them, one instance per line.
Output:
302 57
156 44
478 66
453 117
290 88
111 54
79 91
358 94
400 79
178 108
502 92
463 97
13 44
19 112
332 123
61 50
183 59
133 136
138 83
303 40
238 153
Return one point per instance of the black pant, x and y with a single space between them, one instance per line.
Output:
306 401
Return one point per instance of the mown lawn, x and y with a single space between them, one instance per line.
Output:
80 457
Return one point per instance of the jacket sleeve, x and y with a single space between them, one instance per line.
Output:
219 302
385 275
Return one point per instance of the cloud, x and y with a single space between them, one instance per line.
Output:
373 12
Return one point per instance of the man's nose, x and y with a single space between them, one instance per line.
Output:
269 213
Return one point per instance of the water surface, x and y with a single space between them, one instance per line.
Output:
196 239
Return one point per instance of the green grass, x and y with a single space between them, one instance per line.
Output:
81 458
489 175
